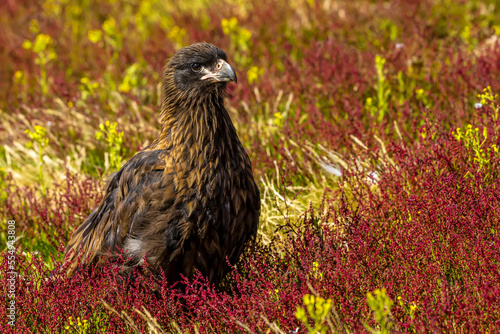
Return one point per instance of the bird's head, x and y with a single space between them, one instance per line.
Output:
196 71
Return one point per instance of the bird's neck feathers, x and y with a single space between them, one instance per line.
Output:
193 118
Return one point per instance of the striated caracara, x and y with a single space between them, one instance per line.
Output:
188 200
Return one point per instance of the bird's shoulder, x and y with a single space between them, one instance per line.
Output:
139 169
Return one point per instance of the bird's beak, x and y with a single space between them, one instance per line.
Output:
223 73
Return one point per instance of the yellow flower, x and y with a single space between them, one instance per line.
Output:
254 73
34 27
18 75
27 44
94 35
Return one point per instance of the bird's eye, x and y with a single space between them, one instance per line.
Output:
196 67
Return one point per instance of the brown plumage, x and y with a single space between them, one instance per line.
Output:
189 199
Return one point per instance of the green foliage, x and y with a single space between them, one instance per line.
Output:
279 120
133 78
178 36
468 38
421 96
380 304
114 143
390 28
240 40
3 193
254 73
87 87
39 142
43 48
151 12
412 88
318 310
41 246
474 140
379 106
489 99
408 307
113 36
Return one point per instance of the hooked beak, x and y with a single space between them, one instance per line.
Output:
224 73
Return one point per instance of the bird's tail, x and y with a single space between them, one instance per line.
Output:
82 246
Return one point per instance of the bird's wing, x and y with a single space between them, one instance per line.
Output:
124 209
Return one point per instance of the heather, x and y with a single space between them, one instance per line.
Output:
374 134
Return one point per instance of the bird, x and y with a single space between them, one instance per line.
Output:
188 201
